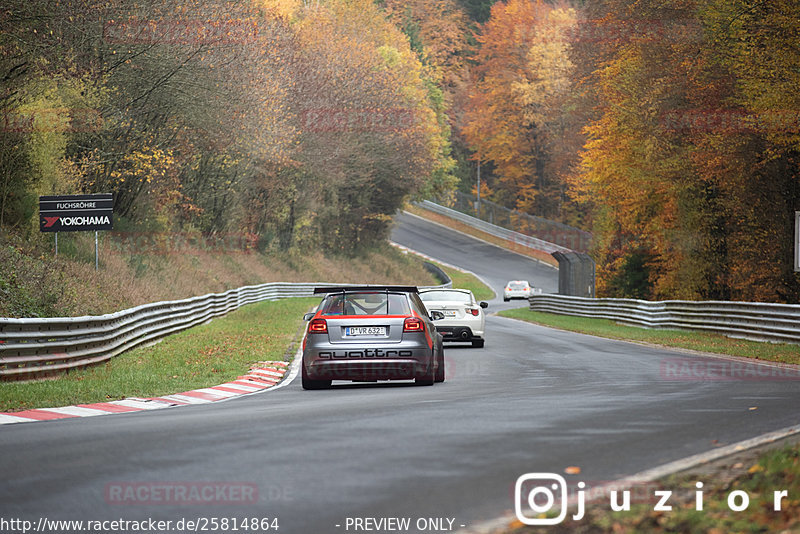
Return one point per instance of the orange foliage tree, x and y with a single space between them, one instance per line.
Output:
690 163
516 115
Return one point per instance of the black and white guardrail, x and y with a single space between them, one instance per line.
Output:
748 320
38 347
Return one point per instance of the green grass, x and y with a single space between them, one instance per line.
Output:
202 356
468 281
702 341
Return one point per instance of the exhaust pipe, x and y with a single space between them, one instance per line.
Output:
464 334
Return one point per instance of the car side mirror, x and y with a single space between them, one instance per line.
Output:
436 316
484 305
308 316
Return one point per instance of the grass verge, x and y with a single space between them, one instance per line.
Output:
202 356
759 479
462 280
33 283
701 341
468 281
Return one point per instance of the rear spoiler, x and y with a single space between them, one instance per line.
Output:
355 289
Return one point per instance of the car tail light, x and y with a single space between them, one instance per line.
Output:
413 324
319 326
473 311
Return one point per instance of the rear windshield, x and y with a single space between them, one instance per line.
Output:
518 285
452 296
366 304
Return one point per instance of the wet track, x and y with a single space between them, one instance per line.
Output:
534 399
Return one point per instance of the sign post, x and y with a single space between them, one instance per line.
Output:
797 241
77 213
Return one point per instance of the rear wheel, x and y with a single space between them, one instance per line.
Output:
308 383
440 369
477 343
505 299
428 378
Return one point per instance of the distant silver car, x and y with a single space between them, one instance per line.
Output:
464 319
517 289
371 333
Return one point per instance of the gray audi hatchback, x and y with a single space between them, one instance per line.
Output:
371 333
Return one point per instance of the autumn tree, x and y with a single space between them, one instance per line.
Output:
306 124
686 152
515 117
369 133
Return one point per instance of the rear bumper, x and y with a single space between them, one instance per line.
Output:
391 361
394 369
458 333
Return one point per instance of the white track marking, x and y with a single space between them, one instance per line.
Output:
141 404
77 411
216 392
7 418
240 387
186 399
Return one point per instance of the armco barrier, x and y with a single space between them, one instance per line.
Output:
748 320
524 223
491 229
34 348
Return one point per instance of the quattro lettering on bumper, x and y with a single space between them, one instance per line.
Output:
365 354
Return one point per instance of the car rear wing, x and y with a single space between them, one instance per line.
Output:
361 289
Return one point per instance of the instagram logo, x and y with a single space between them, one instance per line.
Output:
538 491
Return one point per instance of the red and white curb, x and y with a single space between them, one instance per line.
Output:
262 376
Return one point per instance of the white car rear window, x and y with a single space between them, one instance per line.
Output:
449 296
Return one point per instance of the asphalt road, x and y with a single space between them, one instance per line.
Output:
534 399
493 264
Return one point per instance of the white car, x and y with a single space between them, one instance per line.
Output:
463 315
517 289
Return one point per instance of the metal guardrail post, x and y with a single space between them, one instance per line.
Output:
576 273
563 267
573 273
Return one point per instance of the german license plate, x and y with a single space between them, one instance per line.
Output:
365 331
449 313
